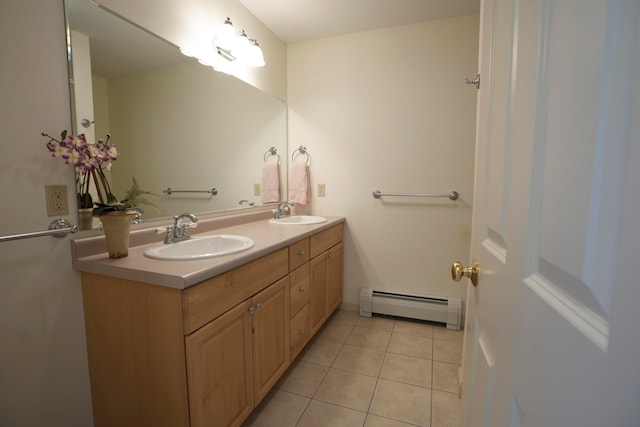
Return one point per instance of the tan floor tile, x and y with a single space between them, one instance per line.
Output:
411 345
373 339
402 402
346 389
376 421
344 317
413 328
321 351
359 360
443 333
320 414
338 332
382 323
407 369
447 351
302 378
279 408
446 409
445 376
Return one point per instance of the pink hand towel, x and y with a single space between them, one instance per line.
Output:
299 184
271 183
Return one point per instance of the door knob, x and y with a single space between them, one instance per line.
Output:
458 271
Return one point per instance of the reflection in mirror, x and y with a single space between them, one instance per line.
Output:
177 124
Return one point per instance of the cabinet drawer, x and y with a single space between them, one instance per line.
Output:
298 254
324 240
298 288
299 331
207 300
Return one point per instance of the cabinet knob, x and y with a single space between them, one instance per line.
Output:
301 331
330 254
252 310
301 252
301 289
258 306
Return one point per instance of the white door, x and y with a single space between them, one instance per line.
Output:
553 326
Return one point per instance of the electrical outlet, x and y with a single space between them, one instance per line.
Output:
321 190
257 191
56 197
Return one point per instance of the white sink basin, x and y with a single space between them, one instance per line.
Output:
299 220
200 247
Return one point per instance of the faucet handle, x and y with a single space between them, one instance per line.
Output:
168 237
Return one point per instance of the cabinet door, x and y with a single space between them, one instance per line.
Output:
270 336
318 295
219 369
334 278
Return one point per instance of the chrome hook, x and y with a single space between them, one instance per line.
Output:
475 81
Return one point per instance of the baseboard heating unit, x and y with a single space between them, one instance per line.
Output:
434 309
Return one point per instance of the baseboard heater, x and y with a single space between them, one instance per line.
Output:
434 309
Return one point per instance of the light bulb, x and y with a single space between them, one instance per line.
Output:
241 46
226 36
254 58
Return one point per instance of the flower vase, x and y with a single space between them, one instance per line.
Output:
116 226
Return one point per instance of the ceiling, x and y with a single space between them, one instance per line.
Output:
295 21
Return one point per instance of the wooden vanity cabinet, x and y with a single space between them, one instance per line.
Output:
299 302
325 275
220 369
208 354
234 360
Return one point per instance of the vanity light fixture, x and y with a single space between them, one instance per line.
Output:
235 46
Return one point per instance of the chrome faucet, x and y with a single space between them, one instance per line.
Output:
179 231
250 204
282 207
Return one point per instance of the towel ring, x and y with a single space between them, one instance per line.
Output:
273 151
301 150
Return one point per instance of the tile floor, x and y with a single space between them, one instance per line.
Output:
371 372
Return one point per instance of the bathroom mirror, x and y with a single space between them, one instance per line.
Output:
177 124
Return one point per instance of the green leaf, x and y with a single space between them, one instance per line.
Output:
63 134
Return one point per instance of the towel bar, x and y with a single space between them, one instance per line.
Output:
57 228
453 195
169 191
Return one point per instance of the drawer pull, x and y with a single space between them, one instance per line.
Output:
301 252
301 331
252 310
301 289
258 306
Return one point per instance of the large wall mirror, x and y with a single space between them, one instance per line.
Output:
177 124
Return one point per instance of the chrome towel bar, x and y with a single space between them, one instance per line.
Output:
169 191
453 195
57 228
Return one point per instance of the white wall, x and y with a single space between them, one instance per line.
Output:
43 367
387 109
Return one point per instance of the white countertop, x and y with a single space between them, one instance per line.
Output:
268 238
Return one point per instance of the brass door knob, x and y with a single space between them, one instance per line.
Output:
458 271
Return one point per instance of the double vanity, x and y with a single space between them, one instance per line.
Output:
200 342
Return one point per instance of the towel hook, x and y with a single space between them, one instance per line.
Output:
475 81
301 150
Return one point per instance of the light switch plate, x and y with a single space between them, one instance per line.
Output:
56 197
257 191
321 190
